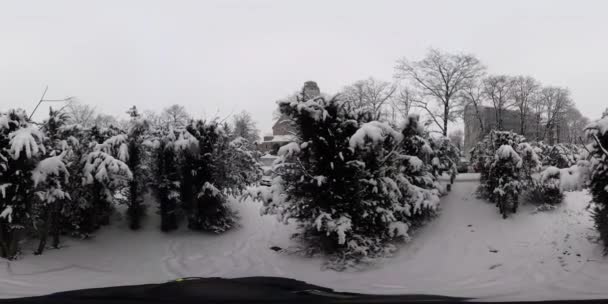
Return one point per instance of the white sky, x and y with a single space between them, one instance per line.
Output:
226 56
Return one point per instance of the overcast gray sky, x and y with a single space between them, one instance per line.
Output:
216 57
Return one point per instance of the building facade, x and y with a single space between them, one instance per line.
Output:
473 132
283 130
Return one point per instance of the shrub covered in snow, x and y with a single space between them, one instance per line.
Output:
561 155
349 182
598 133
545 191
530 162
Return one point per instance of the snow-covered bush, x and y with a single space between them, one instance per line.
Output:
598 133
21 147
530 162
348 181
561 155
546 190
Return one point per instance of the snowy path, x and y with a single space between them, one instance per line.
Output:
467 251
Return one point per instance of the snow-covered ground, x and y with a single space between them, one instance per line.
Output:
467 251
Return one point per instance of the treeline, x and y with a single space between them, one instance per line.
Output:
441 85
65 178
355 184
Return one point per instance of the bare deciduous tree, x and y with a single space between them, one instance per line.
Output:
176 115
401 103
457 138
371 94
440 77
472 95
105 121
524 91
244 126
575 124
153 118
498 90
555 102
82 114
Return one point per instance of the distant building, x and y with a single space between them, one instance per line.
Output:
472 129
283 130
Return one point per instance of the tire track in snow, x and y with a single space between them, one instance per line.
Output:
9 269
174 260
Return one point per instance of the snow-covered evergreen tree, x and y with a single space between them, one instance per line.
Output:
21 146
51 180
77 214
137 159
484 155
104 176
167 179
506 169
348 181
213 167
445 157
50 177
598 133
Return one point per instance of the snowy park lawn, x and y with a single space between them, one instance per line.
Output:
467 251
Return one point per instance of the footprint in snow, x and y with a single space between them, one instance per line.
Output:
495 266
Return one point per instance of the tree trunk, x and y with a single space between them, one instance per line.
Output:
499 119
481 126
538 127
134 209
522 123
55 229
446 113
43 233
4 241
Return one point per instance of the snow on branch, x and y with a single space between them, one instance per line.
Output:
117 144
102 167
374 131
7 213
185 141
26 140
289 150
52 166
506 152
